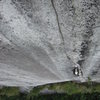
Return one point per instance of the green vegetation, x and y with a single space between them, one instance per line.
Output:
67 91
9 91
74 88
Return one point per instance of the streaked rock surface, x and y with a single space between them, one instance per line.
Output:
41 41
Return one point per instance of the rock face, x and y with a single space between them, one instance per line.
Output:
41 41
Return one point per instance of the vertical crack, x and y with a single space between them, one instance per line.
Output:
61 34
76 65
59 27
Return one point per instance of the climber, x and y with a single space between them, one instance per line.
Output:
76 70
